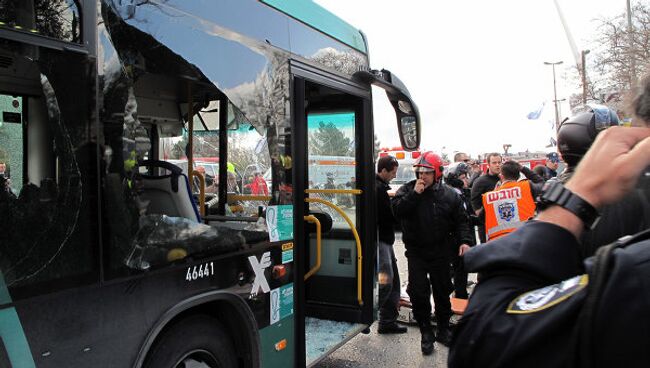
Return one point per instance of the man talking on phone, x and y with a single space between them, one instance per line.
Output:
432 218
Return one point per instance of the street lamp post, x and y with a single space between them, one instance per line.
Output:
630 30
584 77
557 114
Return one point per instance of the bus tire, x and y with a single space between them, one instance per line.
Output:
200 338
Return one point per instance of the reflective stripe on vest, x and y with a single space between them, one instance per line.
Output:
511 227
507 208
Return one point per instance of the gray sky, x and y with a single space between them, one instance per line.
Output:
474 68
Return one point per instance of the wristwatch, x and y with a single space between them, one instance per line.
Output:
554 193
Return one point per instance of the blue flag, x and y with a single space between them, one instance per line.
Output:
533 115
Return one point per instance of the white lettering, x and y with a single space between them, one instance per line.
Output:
501 194
258 268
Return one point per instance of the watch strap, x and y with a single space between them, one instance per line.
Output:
557 194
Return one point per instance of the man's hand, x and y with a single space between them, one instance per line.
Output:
606 173
419 186
612 166
462 249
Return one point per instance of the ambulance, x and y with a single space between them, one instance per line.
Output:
406 160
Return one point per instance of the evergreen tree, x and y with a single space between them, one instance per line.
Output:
330 141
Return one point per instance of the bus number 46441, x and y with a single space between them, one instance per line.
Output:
200 271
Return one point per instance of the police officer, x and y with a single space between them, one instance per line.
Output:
432 216
629 215
549 170
535 306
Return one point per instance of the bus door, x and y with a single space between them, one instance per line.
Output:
333 169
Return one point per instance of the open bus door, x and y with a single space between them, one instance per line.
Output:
335 278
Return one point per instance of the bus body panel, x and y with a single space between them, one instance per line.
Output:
86 326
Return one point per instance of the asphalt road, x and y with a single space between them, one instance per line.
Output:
374 350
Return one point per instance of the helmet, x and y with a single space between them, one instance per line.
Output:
454 171
429 162
576 134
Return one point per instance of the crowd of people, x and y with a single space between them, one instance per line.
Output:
534 293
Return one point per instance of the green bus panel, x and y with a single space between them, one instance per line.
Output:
321 19
273 334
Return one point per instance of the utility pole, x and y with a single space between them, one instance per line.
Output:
630 32
555 101
584 76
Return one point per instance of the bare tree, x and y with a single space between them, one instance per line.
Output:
609 65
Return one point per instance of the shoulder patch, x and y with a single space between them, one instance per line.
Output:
546 297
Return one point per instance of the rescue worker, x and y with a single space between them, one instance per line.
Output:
629 215
535 306
388 274
484 184
432 216
512 202
457 177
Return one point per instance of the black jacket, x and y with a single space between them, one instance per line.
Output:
483 184
524 311
385 219
431 220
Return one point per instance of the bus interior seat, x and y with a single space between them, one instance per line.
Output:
168 194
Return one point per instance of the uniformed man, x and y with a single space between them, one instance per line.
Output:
536 305
433 222
629 215
512 203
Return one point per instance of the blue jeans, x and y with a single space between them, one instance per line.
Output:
389 291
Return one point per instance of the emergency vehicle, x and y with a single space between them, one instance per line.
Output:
406 160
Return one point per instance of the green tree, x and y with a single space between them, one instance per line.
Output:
329 140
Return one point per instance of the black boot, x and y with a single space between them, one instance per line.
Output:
427 340
443 335
391 328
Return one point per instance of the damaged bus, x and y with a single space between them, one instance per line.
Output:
112 255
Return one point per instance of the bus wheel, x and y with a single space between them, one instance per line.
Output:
197 341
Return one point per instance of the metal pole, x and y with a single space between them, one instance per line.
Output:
631 47
584 77
557 113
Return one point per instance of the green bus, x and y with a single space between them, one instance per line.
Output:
113 256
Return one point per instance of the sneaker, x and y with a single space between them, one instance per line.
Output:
426 345
391 328
444 336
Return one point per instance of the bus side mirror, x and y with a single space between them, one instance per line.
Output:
408 117
409 133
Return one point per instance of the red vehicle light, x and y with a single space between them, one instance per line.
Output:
415 154
279 271
383 154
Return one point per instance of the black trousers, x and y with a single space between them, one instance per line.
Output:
389 292
460 277
426 276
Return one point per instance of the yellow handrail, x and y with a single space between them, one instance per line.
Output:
240 197
335 191
316 267
356 238
201 190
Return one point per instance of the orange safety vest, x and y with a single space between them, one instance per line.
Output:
507 208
